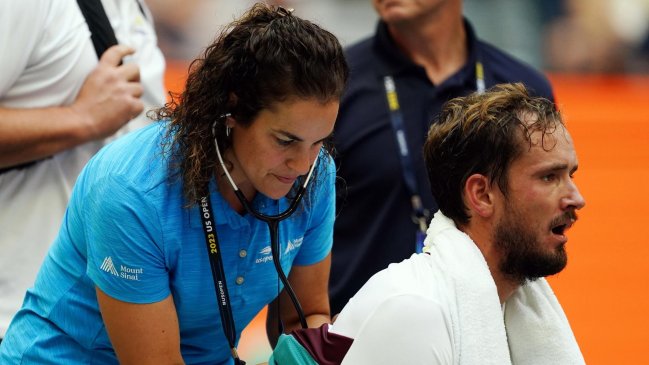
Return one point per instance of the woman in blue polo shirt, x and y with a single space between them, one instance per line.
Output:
155 232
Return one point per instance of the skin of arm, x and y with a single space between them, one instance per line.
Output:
108 99
310 284
142 333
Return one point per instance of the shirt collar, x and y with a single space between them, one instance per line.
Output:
224 215
393 61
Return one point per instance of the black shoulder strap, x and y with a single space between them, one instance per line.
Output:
139 5
102 33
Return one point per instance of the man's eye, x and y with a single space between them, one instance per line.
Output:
548 177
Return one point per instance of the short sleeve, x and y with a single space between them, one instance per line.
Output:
18 38
125 246
403 329
318 237
43 44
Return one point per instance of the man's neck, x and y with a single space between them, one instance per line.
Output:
437 43
505 286
481 236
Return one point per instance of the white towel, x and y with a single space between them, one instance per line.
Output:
538 330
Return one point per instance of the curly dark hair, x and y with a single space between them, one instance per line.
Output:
483 134
265 57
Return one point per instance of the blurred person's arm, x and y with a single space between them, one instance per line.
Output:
310 284
142 333
108 99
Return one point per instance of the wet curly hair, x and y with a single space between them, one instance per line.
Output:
267 56
483 134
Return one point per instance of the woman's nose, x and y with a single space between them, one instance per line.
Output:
301 161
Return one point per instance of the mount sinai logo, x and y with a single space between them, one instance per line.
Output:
108 266
125 272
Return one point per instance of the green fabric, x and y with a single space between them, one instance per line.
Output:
289 352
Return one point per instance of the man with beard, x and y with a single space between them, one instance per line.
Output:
501 167
424 53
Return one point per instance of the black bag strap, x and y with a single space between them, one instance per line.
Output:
102 36
101 32
139 5
20 166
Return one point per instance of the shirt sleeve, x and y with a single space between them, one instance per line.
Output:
18 38
403 329
38 35
125 249
318 237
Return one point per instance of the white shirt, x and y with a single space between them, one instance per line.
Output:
46 55
442 307
396 319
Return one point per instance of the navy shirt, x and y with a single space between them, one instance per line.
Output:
374 226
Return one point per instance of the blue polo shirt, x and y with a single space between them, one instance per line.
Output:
374 226
127 232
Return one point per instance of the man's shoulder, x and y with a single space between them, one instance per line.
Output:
361 53
358 106
405 302
412 276
505 68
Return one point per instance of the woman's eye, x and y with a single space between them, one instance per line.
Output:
284 142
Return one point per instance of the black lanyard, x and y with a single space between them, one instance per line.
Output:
218 275
419 214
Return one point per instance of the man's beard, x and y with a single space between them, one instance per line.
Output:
525 257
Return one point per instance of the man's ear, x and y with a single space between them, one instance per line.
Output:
479 195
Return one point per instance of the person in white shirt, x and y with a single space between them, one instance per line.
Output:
501 166
59 105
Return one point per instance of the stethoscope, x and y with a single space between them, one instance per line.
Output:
273 223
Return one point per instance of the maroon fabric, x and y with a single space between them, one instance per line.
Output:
325 348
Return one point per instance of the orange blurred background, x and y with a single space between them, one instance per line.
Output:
603 289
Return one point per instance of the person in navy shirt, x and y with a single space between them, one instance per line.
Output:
430 54
129 278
